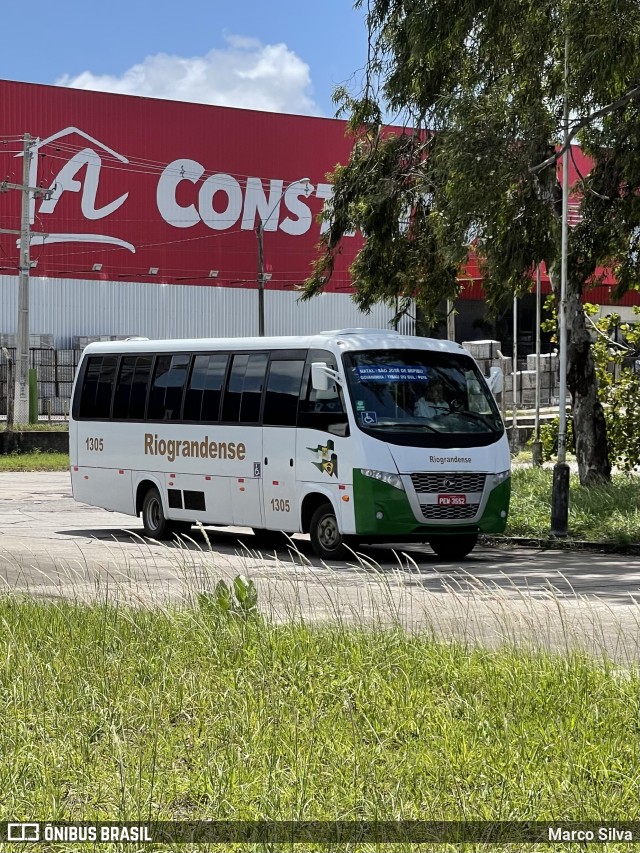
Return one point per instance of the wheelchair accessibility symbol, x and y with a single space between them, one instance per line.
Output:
368 418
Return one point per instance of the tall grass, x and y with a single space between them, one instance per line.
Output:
608 513
312 707
35 460
124 714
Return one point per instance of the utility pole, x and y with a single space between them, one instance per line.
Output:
21 370
515 438
560 489
262 275
259 235
451 321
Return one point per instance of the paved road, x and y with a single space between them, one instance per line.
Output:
52 547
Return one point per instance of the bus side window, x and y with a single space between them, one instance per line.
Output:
97 388
202 400
243 394
253 385
283 390
130 399
165 395
329 401
321 409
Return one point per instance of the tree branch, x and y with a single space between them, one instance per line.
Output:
603 111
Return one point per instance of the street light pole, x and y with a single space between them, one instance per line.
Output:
260 237
536 445
560 492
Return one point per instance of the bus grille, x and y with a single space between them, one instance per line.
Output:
433 511
442 483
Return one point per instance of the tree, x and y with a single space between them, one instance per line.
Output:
477 89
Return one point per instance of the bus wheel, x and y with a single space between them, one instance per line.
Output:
326 539
155 524
454 547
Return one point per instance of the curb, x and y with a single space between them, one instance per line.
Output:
568 544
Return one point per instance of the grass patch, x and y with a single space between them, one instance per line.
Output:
125 714
39 427
35 460
608 514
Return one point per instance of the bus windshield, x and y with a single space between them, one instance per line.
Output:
399 395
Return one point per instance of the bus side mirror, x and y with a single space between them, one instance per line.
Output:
496 380
320 378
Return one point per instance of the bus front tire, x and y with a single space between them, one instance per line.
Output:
454 547
326 539
156 526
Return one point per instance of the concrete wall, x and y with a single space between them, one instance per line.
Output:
24 442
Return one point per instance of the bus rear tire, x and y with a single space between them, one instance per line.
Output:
156 526
326 539
454 547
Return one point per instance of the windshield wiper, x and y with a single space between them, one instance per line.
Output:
474 416
405 427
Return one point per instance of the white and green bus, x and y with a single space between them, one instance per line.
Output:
352 436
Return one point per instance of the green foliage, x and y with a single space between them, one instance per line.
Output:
549 438
481 86
386 192
240 600
618 388
609 513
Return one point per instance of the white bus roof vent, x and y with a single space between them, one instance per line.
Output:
136 338
361 332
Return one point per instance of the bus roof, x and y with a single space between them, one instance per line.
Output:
339 340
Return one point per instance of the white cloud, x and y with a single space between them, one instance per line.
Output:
244 74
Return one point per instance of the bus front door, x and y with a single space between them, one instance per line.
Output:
279 479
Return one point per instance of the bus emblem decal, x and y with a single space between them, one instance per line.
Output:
327 460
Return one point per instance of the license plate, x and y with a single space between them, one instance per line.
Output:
452 500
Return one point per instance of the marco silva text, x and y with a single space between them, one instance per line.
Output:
600 833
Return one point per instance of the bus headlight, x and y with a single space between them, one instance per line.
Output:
496 479
384 477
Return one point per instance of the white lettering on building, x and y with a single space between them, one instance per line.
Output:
65 181
221 201
184 196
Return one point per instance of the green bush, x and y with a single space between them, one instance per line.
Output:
616 343
549 437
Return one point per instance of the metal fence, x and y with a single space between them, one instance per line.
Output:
55 370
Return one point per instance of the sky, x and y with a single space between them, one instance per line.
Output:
280 56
